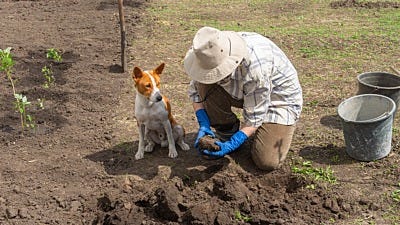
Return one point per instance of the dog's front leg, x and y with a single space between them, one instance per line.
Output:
140 152
171 142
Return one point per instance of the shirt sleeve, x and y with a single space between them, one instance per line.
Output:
192 92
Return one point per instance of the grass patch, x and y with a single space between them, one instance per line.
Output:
318 174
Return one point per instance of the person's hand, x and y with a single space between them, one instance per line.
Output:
229 146
204 126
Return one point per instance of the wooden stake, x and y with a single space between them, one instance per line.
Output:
123 35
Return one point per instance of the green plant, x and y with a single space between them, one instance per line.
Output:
335 159
240 217
21 106
311 186
48 75
40 103
308 170
21 101
54 54
6 61
6 65
396 194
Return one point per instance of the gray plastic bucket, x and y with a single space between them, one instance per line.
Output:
367 125
380 83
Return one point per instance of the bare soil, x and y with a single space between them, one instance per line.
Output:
365 4
77 166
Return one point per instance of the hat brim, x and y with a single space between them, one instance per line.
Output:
208 76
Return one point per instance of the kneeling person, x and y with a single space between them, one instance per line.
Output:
243 70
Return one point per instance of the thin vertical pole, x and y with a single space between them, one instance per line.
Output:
123 35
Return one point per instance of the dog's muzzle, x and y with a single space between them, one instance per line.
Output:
156 97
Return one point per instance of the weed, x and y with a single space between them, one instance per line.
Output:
312 103
396 194
311 186
395 130
317 174
335 159
240 217
392 215
186 179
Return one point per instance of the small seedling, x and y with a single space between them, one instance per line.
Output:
21 105
186 178
240 217
40 103
48 75
54 54
21 101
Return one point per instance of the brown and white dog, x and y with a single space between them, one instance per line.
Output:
153 114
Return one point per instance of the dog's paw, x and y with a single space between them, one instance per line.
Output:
172 153
184 146
139 155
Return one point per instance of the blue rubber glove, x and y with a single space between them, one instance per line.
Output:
229 146
204 123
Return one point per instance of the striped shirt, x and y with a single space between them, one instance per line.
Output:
266 81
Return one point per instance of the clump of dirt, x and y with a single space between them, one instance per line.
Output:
208 143
227 199
364 4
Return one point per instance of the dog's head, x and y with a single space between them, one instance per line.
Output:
147 83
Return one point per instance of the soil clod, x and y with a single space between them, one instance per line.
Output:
208 143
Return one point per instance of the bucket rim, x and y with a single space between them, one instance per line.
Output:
375 86
379 118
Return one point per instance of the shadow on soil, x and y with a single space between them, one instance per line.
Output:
189 165
329 155
331 121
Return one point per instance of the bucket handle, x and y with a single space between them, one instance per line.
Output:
395 70
377 118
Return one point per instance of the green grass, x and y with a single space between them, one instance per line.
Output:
318 174
330 34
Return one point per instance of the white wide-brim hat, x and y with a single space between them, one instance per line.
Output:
214 55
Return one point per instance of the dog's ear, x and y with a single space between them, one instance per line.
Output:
137 73
159 69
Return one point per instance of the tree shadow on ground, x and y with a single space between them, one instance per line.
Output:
189 165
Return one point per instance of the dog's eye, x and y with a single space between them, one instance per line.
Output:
148 85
